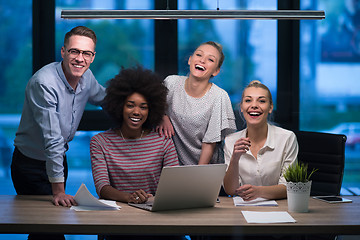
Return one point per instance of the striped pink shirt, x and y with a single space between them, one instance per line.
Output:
131 164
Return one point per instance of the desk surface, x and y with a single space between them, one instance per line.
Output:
29 214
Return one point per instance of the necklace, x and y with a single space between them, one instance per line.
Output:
129 145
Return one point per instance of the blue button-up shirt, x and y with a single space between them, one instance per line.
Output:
51 114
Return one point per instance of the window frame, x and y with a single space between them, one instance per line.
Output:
166 52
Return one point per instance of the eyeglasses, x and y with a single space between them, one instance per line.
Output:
87 55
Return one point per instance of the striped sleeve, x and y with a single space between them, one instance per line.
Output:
170 155
98 164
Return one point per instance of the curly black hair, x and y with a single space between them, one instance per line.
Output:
136 80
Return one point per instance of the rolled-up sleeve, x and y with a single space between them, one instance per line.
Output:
44 105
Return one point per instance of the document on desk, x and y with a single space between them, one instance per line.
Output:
238 201
268 217
87 202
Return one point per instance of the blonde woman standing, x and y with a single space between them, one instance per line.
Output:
200 114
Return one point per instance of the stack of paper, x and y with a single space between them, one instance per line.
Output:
87 202
268 217
238 201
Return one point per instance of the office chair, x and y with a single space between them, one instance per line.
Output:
95 120
325 152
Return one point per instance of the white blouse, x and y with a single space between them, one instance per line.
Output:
279 151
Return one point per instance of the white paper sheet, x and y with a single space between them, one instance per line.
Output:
87 202
238 201
268 217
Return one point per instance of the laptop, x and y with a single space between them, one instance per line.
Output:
190 186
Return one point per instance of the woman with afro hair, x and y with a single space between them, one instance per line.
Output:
127 159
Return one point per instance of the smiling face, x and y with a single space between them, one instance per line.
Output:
75 67
256 105
135 113
204 62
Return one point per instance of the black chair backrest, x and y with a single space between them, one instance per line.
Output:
325 152
95 120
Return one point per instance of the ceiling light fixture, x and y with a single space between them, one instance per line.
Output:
193 14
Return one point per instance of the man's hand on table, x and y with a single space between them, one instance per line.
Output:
60 198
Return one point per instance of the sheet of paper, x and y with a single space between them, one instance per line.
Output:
268 217
238 201
87 202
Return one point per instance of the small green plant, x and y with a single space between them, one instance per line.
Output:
298 172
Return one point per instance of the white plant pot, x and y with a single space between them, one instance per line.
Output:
298 195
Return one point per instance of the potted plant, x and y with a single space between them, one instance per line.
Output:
298 186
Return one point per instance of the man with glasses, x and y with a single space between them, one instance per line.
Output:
55 99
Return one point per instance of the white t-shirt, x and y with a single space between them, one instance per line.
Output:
279 151
196 120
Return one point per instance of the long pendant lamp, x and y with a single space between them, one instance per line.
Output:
193 14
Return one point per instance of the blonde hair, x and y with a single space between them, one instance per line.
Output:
218 47
257 84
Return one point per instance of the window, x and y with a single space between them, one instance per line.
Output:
16 65
329 70
120 43
250 46
329 64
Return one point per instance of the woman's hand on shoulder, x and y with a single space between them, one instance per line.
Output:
166 128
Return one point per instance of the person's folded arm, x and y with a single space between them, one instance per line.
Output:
232 178
250 192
